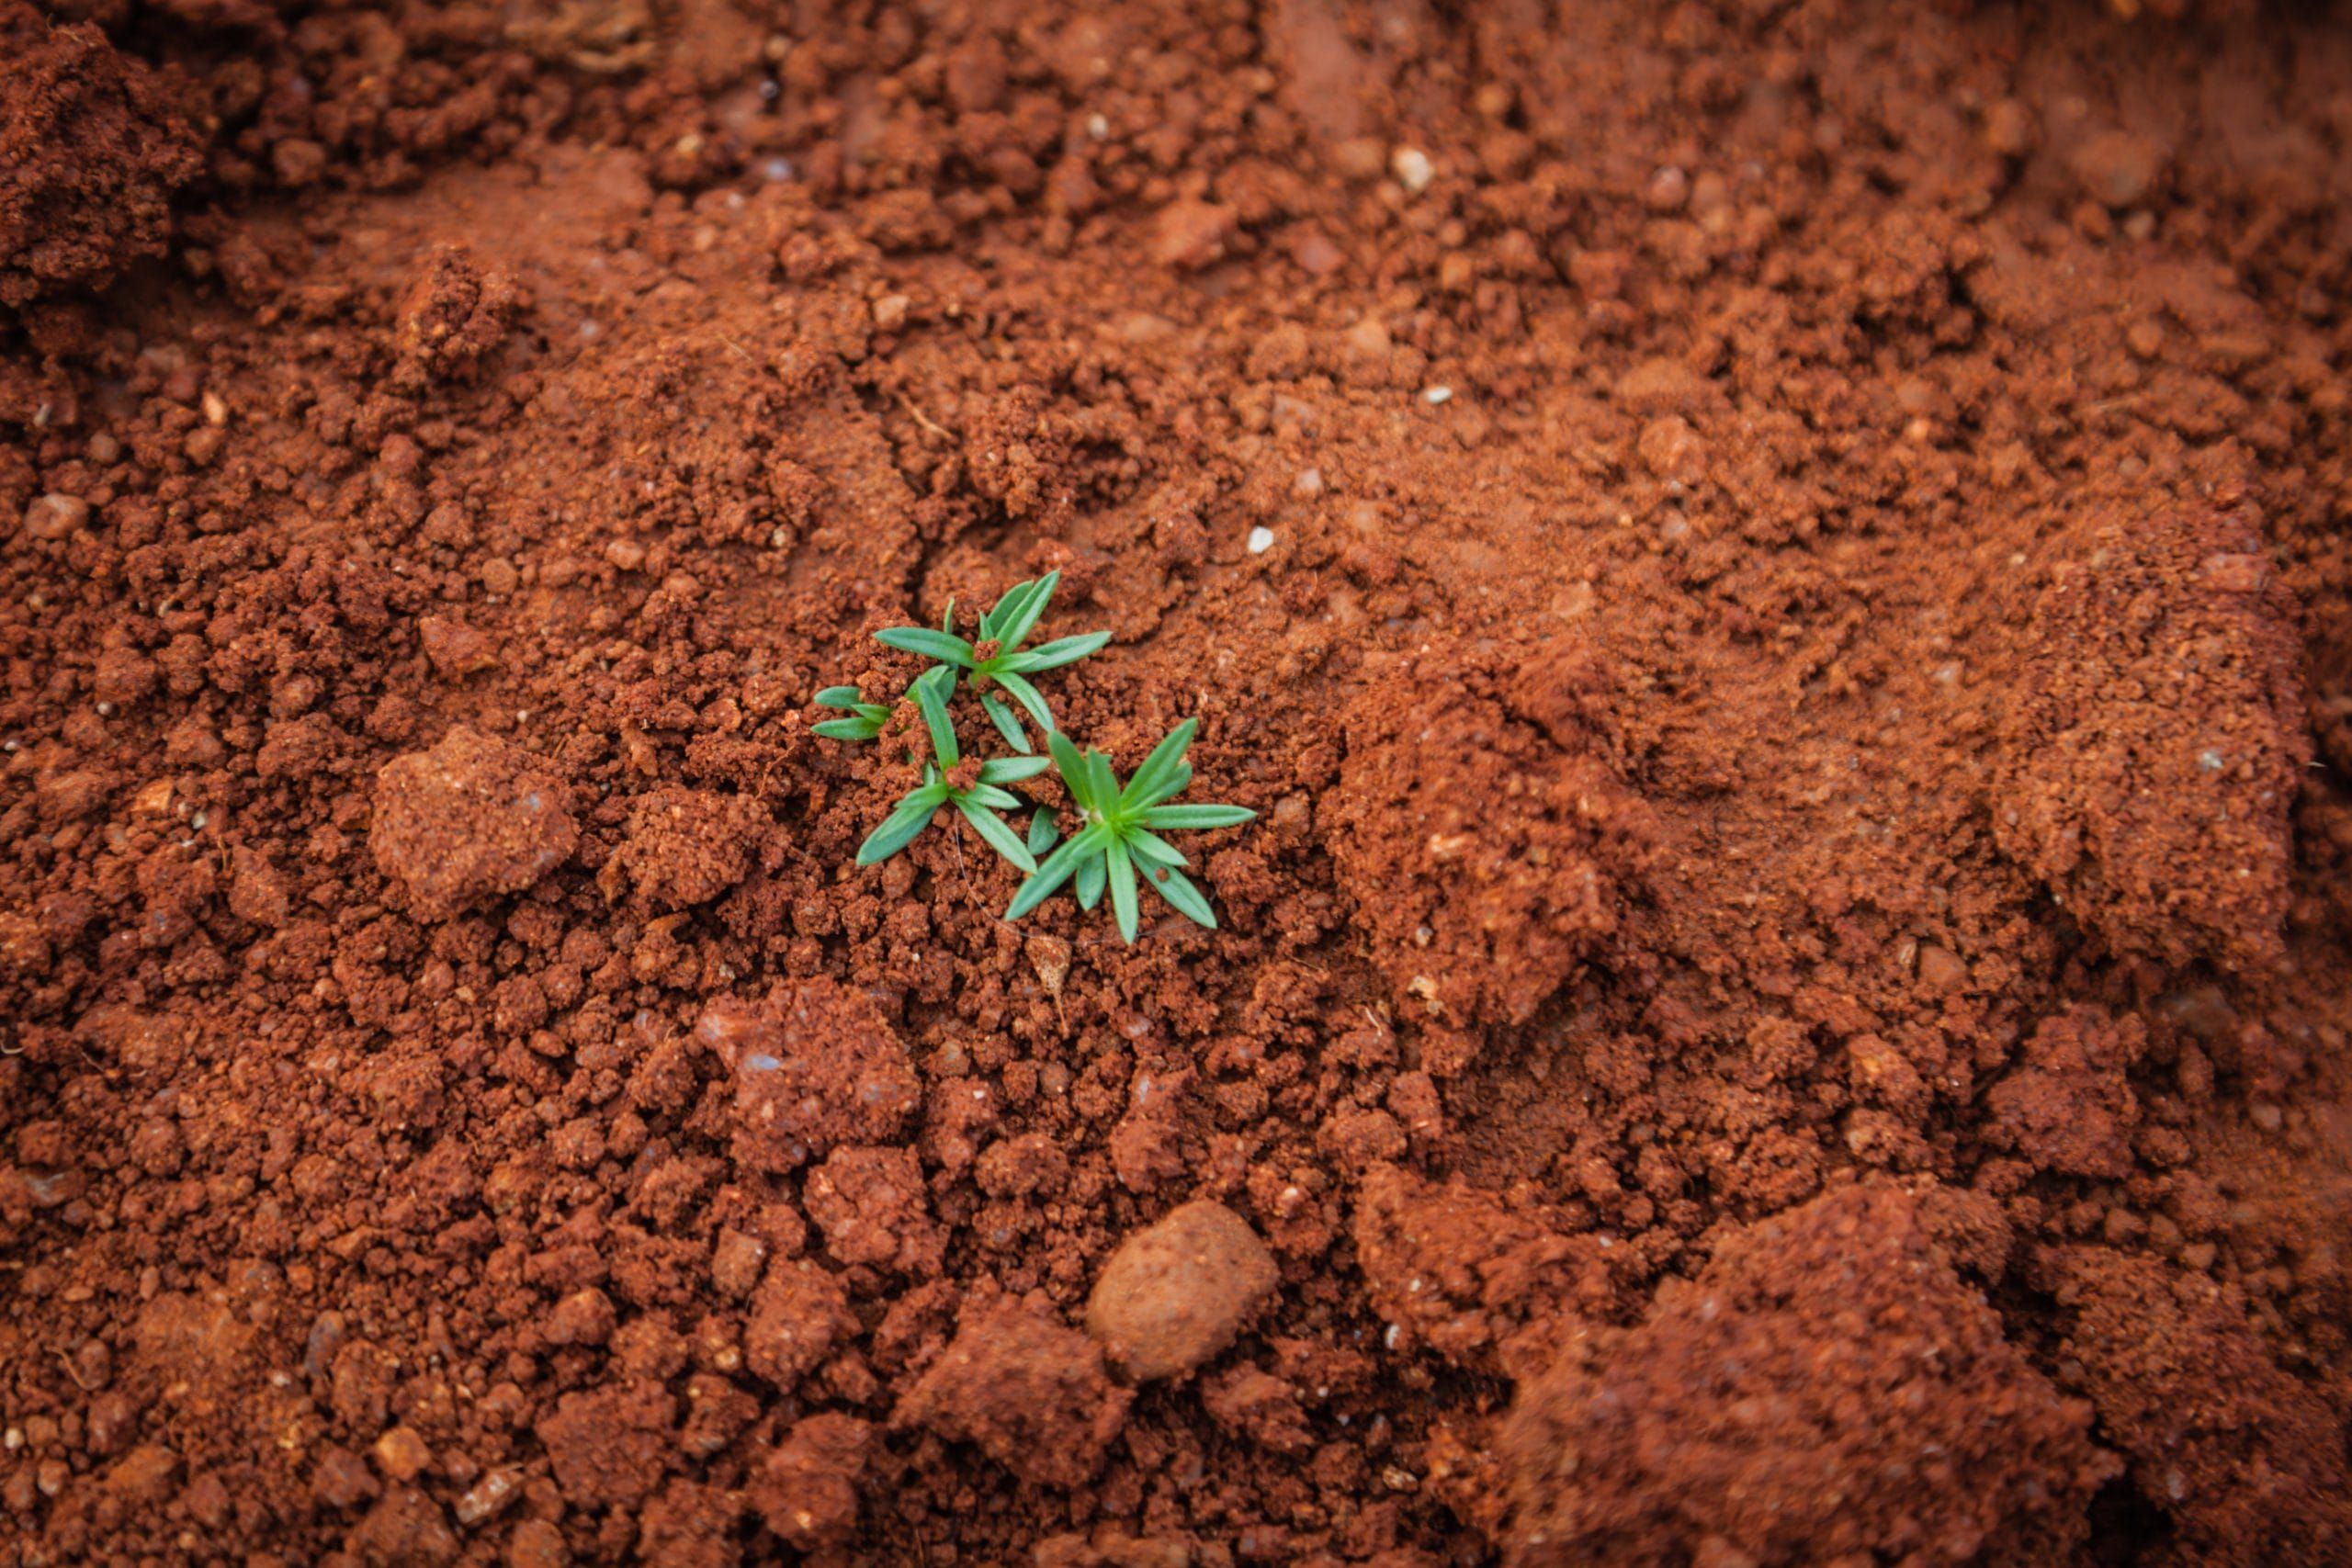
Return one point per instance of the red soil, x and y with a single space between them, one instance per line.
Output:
1775 576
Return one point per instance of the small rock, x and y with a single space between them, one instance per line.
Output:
454 648
467 820
815 1066
1667 190
1261 539
1412 168
1177 1292
1941 969
489 1497
688 846
1672 450
144 1475
800 1314
874 1209
2118 168
736 1262
584 1317
1190 234
1029 1392
807 1489
2239 572
606 1445
401 1454
54 515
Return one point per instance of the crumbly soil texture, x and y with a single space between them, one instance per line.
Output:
1775 574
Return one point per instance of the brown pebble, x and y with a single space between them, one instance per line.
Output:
1941 969
54 515
2117 168
1177 1292
1190 234
401 1454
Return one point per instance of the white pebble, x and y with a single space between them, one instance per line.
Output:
1309 482
1436 395
1097 126
1261 539
1411 167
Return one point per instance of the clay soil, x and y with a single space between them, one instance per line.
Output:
1776 575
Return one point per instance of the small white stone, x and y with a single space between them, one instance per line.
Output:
1261 539
1097 126
1411 167
1309 483
1436 395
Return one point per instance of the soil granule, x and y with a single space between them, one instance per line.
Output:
1775 577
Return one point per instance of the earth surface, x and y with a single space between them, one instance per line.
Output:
1774 573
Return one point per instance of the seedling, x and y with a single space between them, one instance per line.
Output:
979 797
997 656
1116 840
867 722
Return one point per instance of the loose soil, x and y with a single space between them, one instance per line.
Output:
1775 576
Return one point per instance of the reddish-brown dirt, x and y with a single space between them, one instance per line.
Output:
1775 576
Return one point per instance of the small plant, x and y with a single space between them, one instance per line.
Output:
978 797
867 723
998 656
1115 845
1116 840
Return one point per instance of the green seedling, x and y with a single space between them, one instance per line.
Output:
979 800
866 720
1115 846
998 657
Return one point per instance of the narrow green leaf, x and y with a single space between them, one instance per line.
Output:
1103 781
1010 629
1187 899
1054 870
899 830
930 644
1055 654
995 799
1072 768
935 717
1000 837
1090 882
847 729
1161 766
1175 816
1150 849
948 616
1011 769
1026 696
1175 785
1006 725
1043 832
838 697
1006 608
1123 890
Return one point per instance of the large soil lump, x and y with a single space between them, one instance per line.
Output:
468 820
1482 831
1828 1390
2243 1459
2154 754
91 150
